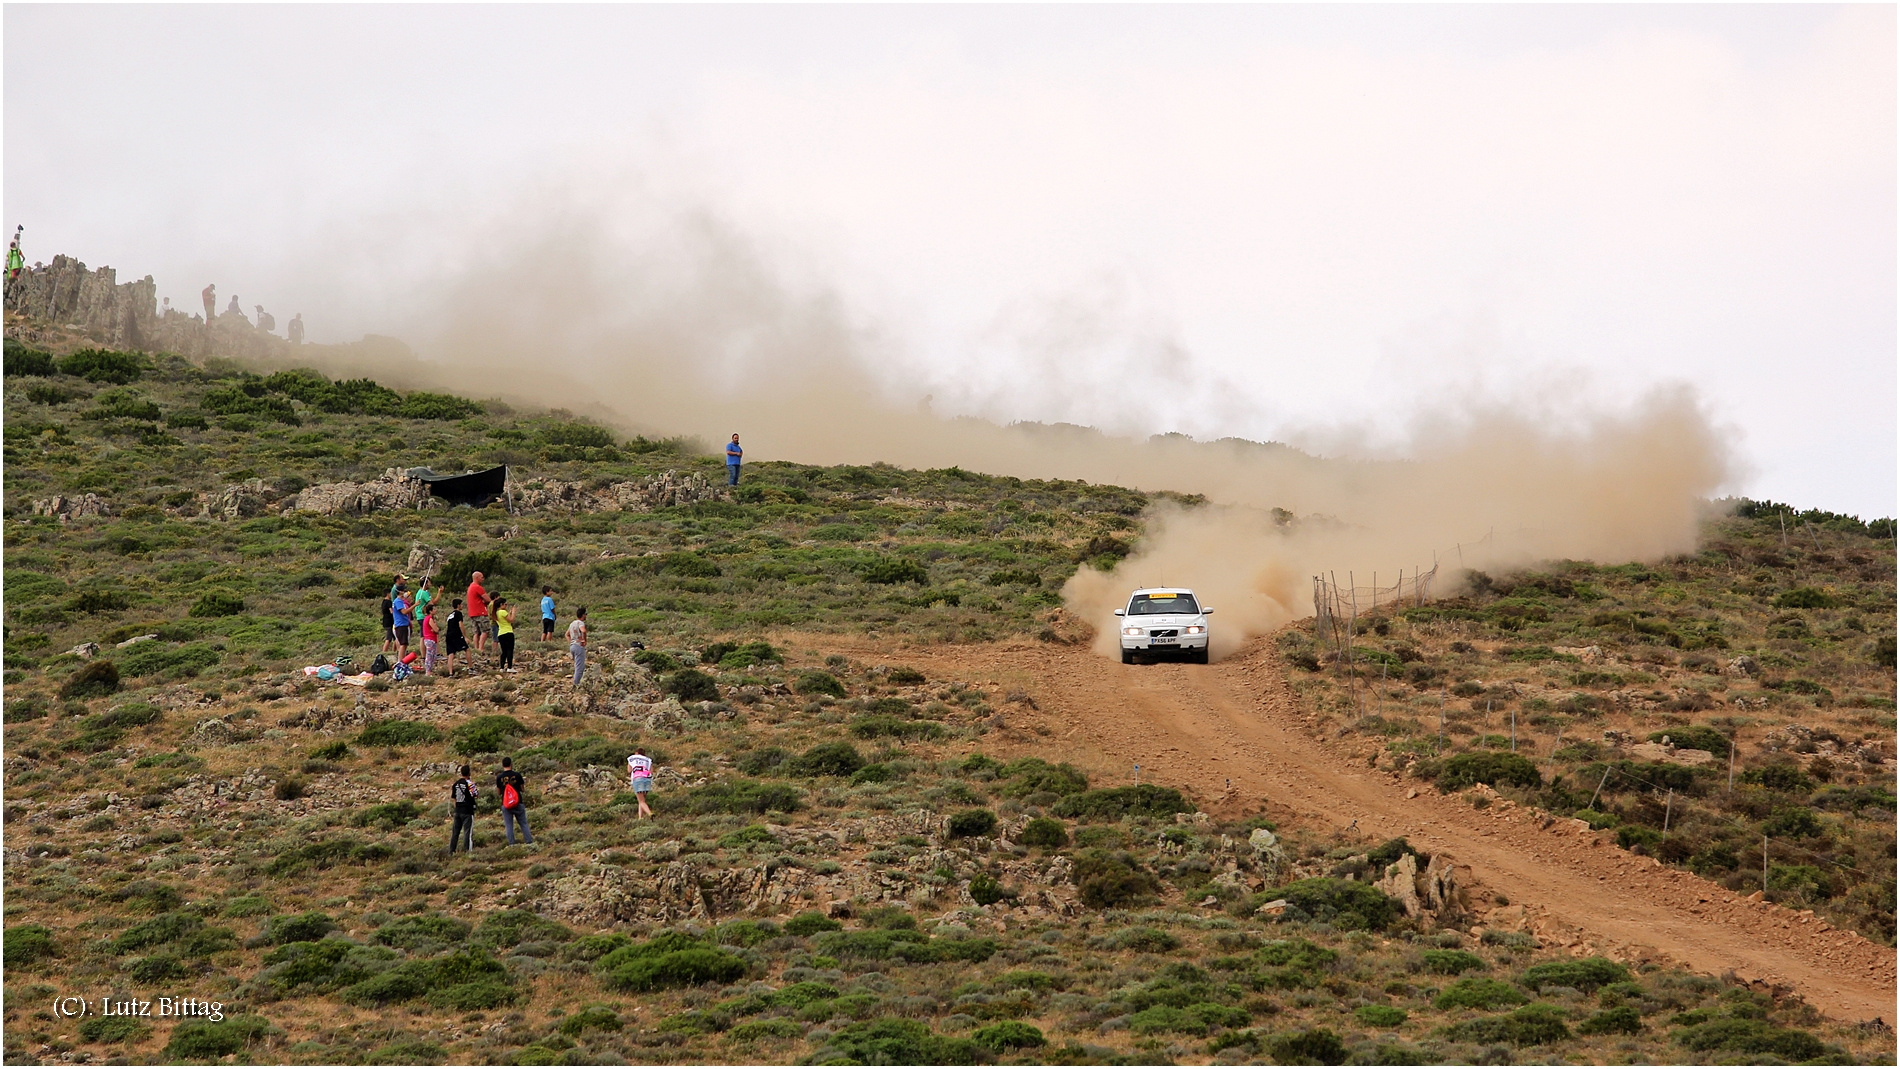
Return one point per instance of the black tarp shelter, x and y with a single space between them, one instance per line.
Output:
476 488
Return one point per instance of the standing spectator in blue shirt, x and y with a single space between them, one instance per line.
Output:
734 455
547 613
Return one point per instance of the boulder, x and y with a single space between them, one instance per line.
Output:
1401 883
68 509
85 651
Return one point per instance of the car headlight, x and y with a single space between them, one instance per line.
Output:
1196 630
1131 631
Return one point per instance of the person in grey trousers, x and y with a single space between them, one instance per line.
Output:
577 642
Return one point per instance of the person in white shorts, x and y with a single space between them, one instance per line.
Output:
640 770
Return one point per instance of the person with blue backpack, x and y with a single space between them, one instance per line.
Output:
514 804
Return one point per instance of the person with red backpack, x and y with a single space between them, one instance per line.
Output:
514 809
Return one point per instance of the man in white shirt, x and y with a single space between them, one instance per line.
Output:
577 642
640 771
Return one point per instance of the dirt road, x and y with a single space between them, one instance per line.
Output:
1233 734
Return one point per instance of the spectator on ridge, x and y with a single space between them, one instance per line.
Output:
734 455
577 642
504 632
296 329
478 612
210 295
640 771
547 613
399 610
453 642
425 594
429 639
389 623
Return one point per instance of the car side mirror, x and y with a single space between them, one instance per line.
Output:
1205 610
1118 612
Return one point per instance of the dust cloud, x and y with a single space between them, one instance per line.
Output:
671 323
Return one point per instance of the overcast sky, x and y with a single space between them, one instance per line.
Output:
1317 224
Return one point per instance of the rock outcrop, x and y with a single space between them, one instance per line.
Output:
668 489
68 509
395 490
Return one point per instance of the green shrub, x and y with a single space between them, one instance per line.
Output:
971 823
1621 1020
691 685
22 360
751 833
1598 821
688 565
670 959
1106 880
1114 803
827 759
592 1018
1746 1035
247 906
1479 993
1145 940
986 890
487 734
1805 597
1044 832
1314 1046
1376 1016
771 1028
903 676
898 1041
733 656
409 1052
656 660
102 365
423 932
1696 737
891 570
113 1030
302 928
1584 974
811 924
326 853
459 980
1528 1026
818 682
1490 767
178 662
387 815
25 944
1345 904
1452 962
497 568
398 733
95 679
743 797
882 726
512 927
167 928
210 1040
334 751
156 969
1009 1035
216 603
1033 775
421 405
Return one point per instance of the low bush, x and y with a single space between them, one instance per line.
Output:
670 959
986 890
459 980
1115 803
1479 993
1345 904
215 603
334 751
1584 974
387 815
423 933
1490 767
487 734
1746 1035
301 928
398 733
25 944
1195 1018
1009 1035
893 570
1622 1020
95 679
818 682
102 365
1452 962
1314 1046
210 1040
1528 1026
113 1030
177 662
971 823
811 924
884 726
826 759
691 685
1107 880
1376 1016
1043 832
898 1041
326 853
744 797
592 1018
1033 775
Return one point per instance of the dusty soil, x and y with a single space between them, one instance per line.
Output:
1233 734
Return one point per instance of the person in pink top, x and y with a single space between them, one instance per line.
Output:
429 637
478 612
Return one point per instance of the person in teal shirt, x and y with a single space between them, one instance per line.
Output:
547 613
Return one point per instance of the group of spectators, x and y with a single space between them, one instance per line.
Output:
512 789
467 626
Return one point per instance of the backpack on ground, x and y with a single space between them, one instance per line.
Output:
378 666
510 798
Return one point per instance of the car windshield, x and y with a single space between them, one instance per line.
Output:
1155 604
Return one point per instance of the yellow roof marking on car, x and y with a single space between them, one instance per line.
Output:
1157 597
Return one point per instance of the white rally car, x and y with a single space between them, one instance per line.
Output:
1164 620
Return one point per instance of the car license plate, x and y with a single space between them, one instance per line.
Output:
1162 642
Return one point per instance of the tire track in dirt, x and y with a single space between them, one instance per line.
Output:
1232 733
